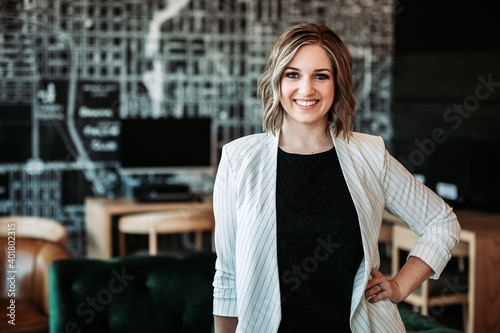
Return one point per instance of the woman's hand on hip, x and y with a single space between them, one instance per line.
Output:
379 288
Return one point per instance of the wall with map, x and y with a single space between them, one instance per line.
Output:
71 70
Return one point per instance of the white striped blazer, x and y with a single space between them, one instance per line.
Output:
246 282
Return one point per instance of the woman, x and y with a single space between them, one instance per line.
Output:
298 209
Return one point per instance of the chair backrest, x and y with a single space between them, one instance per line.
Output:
32 260
404 238
34 227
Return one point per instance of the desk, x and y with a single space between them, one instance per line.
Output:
99 214
482 232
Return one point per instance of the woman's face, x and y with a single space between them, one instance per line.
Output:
307 87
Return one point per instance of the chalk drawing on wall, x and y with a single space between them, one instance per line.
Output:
71 70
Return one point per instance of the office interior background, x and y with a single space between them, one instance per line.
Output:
73 73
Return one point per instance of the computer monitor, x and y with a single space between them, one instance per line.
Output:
165 145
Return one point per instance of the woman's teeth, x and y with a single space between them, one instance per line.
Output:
305 103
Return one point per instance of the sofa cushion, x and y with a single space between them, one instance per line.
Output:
133 294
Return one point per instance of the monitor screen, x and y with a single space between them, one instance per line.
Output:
157 145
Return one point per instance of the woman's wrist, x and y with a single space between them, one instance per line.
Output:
413 273
401 294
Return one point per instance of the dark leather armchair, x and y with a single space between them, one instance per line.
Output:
30 248
31 307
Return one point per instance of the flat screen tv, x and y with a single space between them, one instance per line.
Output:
165 145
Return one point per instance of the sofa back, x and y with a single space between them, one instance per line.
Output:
133 294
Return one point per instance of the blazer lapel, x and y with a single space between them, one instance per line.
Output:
257 244
364 209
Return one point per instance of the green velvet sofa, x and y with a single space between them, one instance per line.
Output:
148 294
132 294
415 322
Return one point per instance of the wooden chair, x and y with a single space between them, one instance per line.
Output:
424 297
192 219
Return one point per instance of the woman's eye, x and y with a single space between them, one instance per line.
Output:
322 76
292 75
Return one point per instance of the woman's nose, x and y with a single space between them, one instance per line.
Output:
306 87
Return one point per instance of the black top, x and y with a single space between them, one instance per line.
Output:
319 243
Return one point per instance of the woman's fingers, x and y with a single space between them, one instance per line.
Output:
378 287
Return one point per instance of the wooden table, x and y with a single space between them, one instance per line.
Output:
482 232
99 213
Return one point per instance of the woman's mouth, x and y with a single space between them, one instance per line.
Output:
305 103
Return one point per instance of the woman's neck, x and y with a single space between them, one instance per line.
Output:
305 140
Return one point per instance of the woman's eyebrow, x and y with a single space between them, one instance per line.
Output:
316 70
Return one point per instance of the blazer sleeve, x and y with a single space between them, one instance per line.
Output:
224 202
425 213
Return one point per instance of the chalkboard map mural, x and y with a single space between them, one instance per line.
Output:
70 71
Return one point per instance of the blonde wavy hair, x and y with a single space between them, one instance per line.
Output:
342 112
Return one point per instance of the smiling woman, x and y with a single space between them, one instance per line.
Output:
298 210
